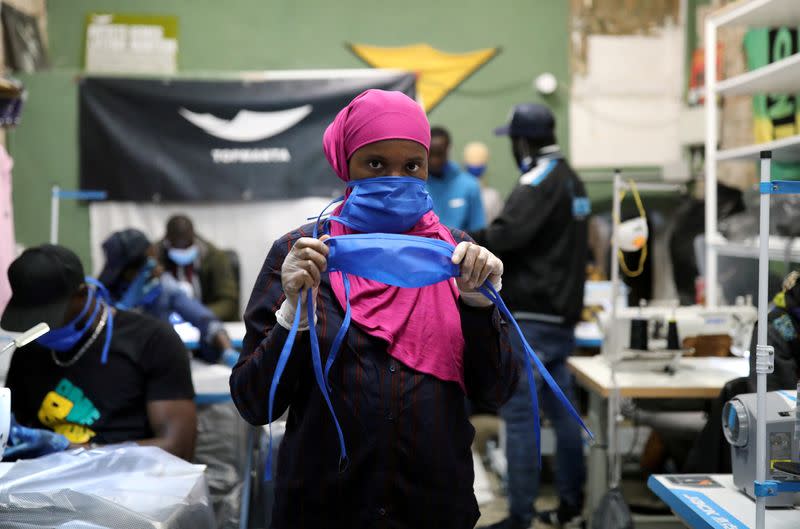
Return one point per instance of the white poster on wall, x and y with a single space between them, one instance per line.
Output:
117 43
625 110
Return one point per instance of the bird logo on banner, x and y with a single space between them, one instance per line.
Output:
438 72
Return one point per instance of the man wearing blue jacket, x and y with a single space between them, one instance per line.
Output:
456 194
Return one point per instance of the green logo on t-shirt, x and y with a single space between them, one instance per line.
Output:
68 411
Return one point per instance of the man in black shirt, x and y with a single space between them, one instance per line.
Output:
100 375
541 236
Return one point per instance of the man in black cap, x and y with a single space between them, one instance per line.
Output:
100 375
541 236
135 281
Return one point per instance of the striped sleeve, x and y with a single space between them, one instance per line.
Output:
490 371
252 375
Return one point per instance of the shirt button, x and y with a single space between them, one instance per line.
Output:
392 368
389 417
382 511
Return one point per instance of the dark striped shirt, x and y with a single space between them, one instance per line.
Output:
408 435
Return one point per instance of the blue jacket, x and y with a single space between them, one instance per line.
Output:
457 198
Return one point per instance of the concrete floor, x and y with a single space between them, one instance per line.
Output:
635 491
498 509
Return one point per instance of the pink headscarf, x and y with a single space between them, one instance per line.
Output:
421 325
372 116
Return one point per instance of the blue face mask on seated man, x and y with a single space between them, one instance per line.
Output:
65 338
386 204
183 256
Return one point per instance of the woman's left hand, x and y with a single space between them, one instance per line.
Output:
477 265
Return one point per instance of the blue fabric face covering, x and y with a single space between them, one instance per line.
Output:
386 204
183 256
398 260
67 337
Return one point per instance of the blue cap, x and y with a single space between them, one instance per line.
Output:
121 249
529 120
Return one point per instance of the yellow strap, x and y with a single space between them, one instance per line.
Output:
643 256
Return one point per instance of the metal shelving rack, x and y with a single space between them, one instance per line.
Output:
764 353
779 77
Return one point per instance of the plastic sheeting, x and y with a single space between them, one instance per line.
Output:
784 218
113 487
221 447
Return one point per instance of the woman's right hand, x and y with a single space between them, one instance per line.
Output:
303 267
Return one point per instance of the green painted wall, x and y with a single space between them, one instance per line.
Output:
216 36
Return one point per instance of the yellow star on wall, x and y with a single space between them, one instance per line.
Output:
438 72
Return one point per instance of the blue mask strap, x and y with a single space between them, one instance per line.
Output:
89 298
337 341
109 333
494 297
286 352
103 296
317 361
93 316
321 213
283 359
488 290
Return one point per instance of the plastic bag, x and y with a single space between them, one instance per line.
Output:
784 218
113 487
613 512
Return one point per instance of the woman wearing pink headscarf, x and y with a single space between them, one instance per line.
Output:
408 359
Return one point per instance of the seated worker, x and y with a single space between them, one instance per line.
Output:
135 280
456 194
101 375
204 271
783 335
710 451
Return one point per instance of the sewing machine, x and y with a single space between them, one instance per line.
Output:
739 427
735 321
17 341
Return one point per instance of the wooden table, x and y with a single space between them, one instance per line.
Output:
694 378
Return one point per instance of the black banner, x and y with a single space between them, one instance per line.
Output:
196 140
